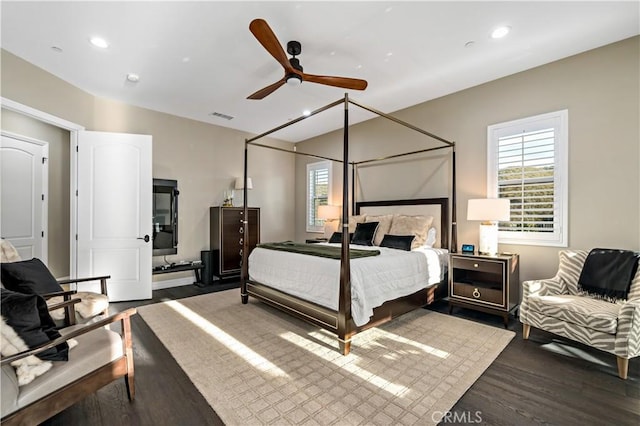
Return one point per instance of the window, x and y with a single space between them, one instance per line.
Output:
318 184
527 163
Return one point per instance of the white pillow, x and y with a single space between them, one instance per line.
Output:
417 226
384 226
431 238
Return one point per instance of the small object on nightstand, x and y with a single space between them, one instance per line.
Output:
468 248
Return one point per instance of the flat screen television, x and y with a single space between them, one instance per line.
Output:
165 217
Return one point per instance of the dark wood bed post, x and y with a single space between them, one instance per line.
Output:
344 306
453 245
244 271
353 188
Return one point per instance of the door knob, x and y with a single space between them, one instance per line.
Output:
146 238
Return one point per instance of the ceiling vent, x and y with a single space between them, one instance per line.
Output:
221 115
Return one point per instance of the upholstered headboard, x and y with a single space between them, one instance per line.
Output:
436 207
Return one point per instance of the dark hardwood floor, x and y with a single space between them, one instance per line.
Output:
546 380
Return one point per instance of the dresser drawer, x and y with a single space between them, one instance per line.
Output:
478 293
477 265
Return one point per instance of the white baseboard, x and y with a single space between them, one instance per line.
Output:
178 282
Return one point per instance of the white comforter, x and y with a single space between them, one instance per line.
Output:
374 280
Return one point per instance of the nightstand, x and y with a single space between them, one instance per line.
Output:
316 240
485 283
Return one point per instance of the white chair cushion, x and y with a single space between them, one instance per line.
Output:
95 349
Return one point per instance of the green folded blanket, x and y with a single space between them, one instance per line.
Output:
319 250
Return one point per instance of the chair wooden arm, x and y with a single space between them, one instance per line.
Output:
103 281
69 310
66 294
123 316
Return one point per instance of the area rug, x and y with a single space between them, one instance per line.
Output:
256 365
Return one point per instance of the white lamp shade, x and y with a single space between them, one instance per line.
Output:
489 209
328 212
240 183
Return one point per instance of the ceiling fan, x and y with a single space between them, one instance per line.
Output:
293 73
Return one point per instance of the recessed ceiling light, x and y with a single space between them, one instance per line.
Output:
470 43
500 32
306 113
56 49
99 42
134 78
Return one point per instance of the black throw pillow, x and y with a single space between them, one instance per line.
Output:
401 242
364 233
29 317
336 237
29 277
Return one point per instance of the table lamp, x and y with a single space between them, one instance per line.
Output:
330 214
240 184
490 211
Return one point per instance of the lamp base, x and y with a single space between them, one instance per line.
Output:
330 226
488 239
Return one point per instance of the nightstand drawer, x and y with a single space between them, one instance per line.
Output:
477 265
478 293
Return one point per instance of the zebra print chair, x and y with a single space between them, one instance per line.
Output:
558 306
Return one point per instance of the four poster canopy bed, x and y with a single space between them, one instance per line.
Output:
347 288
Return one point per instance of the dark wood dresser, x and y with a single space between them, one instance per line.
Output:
227 238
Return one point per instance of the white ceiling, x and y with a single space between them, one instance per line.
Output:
195 58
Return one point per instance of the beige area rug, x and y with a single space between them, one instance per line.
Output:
256 365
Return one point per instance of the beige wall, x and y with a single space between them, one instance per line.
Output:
59 184
600 89
204 158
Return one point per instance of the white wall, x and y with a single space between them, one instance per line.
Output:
204 158
601 90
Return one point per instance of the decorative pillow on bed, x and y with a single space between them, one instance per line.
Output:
354 221
412 225
431 237
336 237
384 225
364 233
401 242
29 277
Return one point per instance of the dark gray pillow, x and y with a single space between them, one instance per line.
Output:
336 237
364 233
29 317
401 242
29 277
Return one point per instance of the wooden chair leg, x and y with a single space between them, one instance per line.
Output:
623 367
128 350
526 329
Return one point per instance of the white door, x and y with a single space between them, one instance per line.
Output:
23 190
115 187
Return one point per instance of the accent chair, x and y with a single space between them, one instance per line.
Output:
557 305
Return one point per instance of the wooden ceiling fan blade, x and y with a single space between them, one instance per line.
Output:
263 33
344 82
267 90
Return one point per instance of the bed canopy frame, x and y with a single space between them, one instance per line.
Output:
344 328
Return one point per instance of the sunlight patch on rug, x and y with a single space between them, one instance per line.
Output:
235 346
351 367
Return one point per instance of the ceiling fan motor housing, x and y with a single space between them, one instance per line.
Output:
294 48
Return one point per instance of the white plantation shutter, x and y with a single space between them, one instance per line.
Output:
318 184
528 165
